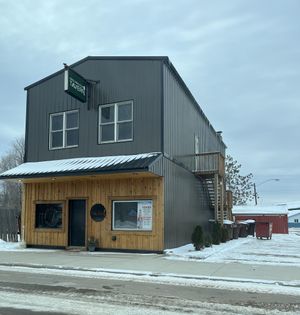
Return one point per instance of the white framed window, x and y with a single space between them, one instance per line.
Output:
116 122
132 215
296 220
64 130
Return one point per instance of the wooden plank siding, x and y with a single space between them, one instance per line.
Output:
95 190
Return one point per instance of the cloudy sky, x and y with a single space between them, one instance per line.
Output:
240 59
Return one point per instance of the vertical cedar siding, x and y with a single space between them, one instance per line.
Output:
98 190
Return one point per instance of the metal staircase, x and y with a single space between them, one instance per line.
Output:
210 169
218 203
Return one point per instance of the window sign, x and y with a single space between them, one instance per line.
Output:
132 215
75 85
144 215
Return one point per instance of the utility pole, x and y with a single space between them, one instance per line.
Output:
255 194
254 187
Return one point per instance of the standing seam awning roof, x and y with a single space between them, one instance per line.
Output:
82 166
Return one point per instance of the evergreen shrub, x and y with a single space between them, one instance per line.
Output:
197 237
216 233
225 235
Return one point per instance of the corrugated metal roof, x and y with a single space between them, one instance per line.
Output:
245 210
294 205
82 166
293 213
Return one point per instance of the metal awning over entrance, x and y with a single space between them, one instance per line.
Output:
83 166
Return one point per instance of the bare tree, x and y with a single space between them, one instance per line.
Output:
10 195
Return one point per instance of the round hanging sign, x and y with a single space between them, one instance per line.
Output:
98 212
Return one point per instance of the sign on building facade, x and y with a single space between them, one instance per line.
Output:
75 85
144 215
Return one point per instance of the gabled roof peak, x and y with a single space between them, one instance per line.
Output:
160 58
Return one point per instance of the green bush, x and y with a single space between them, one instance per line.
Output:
216 233
225 235
197 238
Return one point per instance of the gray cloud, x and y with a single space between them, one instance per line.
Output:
240 60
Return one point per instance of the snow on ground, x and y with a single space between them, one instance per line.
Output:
64 303
20 246
282 249
223 283
11 245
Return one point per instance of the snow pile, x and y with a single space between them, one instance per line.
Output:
188 252
259 210
282 249
4 246
228 222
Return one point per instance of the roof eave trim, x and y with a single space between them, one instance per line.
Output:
169 64
74 173
162 58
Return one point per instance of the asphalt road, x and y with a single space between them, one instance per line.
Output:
22 311
28 293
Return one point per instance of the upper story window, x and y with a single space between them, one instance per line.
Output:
64 130
116 122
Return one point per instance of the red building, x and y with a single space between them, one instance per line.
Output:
278 215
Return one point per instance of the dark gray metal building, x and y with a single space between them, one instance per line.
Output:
136 105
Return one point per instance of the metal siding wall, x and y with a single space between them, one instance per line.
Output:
296 225
292 218
185 205
280 222
182 121
157 167
137 80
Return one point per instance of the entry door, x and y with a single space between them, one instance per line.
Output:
77 209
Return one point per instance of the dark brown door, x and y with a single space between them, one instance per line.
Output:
77 209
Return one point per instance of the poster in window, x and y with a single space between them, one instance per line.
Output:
144 215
